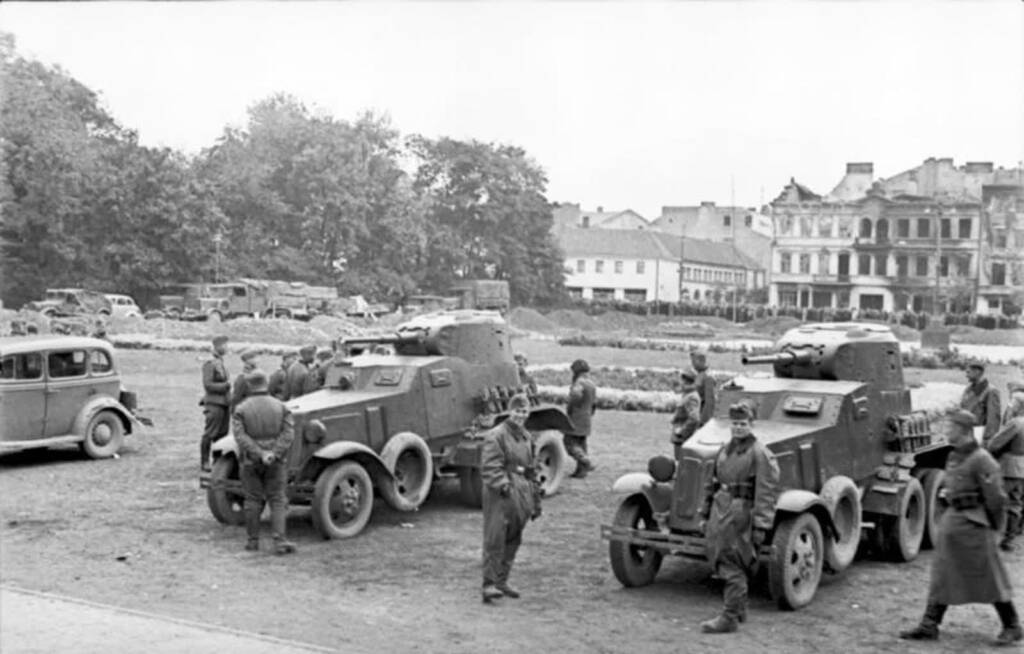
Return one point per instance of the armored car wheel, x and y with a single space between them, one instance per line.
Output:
633 565
408 458
104 435
900 536
843 499
931 481
226 506
471 487
552 461
342 500
794 569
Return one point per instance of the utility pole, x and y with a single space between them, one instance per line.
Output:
217 239
938 261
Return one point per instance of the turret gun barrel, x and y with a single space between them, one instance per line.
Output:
390 339
786 356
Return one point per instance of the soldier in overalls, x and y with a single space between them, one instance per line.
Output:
740 512
967 568
510 499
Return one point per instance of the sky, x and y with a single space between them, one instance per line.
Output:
624 105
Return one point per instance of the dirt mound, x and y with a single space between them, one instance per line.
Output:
774 326
530 320
573 319
320 330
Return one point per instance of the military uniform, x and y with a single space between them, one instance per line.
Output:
277 385
263 425
509 500
1007 446
216 386
705 388
983 401
742 495
581 406
297 380
687 417
240 388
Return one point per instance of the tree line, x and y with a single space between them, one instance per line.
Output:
295 194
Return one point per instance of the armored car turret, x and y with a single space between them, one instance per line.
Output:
853 457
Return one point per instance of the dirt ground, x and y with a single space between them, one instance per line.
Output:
136 532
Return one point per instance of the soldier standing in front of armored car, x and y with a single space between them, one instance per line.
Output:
216 386
705 385
981 399
967 568
240 389
297 380
687 417
263 428
740 512
278 379
525 379
581 406
509 502
1007 447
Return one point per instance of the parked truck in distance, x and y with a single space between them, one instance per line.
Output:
266 298
484 294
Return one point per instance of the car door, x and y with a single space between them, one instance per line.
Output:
22 397
68 387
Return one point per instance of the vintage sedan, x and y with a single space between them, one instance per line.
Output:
58 390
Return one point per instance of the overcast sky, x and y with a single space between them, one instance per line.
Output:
624 105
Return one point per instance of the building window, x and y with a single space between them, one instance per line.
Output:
823 258
864 264
821 299
635 295
902 266
946 228
748 220
618 267
998 277
881 265
924 227
965 228
785 262
585 221
575 292
787 297
640 267
805 263
903 228
599 266
581 266
943 266
882 230
727 220
865 228
921 266
1000 238
963 266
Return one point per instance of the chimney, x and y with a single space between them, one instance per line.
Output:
707 203
978 167
861 168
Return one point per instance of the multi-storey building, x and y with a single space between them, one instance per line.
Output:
920 240
747 228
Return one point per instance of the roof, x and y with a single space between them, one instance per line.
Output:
18 344
712 253
801 193
646 244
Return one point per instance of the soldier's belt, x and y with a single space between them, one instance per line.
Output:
742 491
966 501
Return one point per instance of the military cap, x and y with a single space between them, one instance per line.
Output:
520 358
257 380
324 355
741 411
698 354
307 351
688 376
249 353
579 365
963 417
518 401
977 365
220 339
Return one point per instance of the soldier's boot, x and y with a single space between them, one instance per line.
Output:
1011 632
723 624
508 591
283 546
1006 544
252 528
928 629
490 593
741 615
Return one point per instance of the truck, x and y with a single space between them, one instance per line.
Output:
397 413
857 463
265 298
484 294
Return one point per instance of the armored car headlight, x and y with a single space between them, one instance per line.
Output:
661 468
315 431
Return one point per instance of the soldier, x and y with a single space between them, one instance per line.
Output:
319 375
216 386
277 387
981 399
297 381
687 417
263 428
240 389
740 511
581 406
966 568
1007 447
705 385
525 379
507 466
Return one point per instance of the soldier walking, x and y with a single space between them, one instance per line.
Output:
581 406
981 399
705 385
687 417
263 428
740 510
240 389
277 383
216 386
966 568
1007 447
510 500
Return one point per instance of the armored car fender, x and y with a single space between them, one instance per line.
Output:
366 457
658 495
795 501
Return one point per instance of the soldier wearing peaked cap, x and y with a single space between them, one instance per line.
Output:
216 386
687 417
276 385
263 428
240 389
740 511
966 568
297 382
981 399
